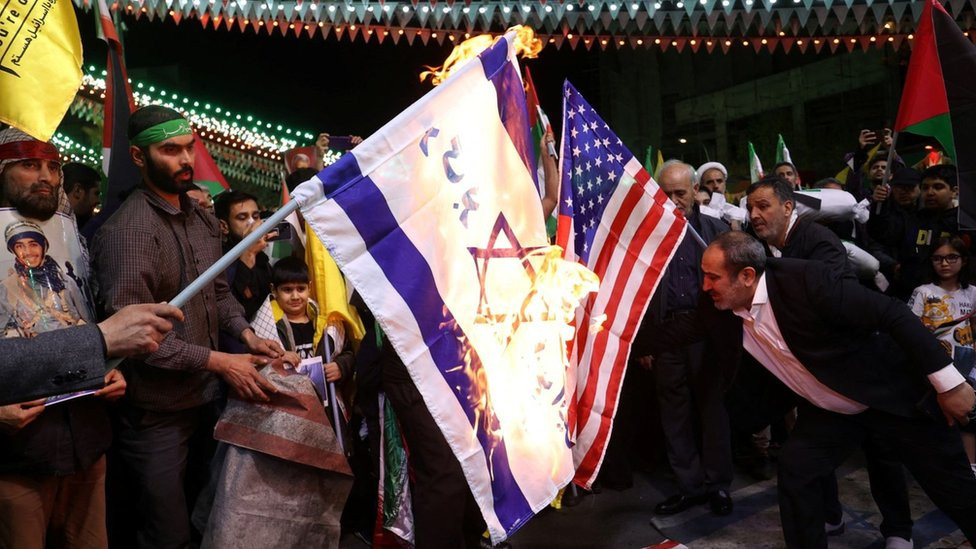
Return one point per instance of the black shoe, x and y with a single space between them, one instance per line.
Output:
678 503
720 502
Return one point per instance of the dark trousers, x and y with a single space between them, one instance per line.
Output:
162 461
694 421
444 511
888 488
822 440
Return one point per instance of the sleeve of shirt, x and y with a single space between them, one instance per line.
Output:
946 379
125 271
917 302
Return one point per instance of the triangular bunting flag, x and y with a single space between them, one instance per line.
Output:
641 20
747 17
676 17
898 10
917 8
840 11
712 18
659 17
821 13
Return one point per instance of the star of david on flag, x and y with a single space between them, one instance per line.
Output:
614 219
436 221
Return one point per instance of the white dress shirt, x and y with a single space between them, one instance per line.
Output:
789 227
762 339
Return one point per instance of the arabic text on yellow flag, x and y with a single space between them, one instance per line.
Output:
40 63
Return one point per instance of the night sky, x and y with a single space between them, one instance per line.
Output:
311 83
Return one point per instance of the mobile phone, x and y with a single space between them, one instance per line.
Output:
879 134
284 232
340 142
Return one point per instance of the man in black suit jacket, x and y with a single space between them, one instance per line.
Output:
773 218
693 417
835 344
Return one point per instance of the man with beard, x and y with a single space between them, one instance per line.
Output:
52 462
773 218
250 276
148 251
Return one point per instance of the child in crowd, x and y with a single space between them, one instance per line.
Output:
297 328
945 306
284 476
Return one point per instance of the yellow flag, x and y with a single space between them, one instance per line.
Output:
40 64
843 174
328 289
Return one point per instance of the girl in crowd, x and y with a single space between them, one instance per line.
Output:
946 306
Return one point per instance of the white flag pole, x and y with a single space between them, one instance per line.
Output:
221 264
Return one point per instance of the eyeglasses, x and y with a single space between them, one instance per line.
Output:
950 258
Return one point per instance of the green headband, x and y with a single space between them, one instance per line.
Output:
161 131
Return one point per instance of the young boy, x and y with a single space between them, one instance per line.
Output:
265 467
297 329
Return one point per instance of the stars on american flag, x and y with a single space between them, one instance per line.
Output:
592 170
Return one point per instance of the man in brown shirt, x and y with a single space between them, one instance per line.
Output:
148 251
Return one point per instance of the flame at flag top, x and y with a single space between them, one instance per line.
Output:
939 98
436 220
614 219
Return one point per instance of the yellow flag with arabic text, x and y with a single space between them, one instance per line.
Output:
40 63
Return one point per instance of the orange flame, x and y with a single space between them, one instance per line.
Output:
526 45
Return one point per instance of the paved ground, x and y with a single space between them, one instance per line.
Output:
623 519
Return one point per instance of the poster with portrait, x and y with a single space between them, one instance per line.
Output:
299 157
44 275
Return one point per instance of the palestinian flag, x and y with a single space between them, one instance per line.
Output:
539 122
755 166
939 98
205 171
538 127
121 173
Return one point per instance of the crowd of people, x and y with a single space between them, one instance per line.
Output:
209 434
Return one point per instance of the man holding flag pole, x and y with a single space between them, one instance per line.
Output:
164 422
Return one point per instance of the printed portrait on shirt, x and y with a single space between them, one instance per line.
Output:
43 275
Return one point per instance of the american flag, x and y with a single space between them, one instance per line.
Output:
614 219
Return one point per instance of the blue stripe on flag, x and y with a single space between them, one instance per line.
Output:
511 100
408 273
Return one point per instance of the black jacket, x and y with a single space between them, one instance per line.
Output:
862 344
708 228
